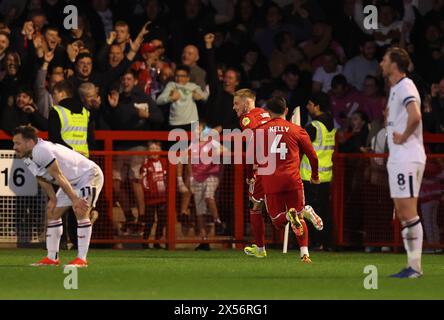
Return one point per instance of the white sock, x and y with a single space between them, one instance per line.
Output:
54 232
304 250
260 249
412 235
84 230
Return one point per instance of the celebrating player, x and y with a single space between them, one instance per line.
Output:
251 118
407 157
80 181
283 188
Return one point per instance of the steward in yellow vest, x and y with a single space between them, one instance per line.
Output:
324 145
322 134
69 125
69 121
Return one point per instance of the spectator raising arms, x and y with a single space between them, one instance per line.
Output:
23 112
220 113
182 95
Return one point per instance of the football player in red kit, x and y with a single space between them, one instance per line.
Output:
251 118
281 145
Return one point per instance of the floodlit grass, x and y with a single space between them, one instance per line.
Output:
218 274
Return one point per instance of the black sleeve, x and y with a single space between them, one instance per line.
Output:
213 81
31 62
54 128
213 116
156 115
437 114
311 130
91 138
39 121
101 57
114 73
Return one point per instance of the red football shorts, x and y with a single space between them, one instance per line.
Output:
278 204
256 191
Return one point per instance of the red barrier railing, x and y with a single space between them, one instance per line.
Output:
339 185
343 206
108 138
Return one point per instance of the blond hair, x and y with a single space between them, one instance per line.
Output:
245 94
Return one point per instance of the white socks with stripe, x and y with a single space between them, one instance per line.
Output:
84 230
304 250
412 235
54 232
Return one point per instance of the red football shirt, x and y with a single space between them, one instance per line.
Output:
251 120
283 143
254 118
154 176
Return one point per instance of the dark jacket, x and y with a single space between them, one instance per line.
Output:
125 116
219 109
326 119
55 125
103 80
15 117
355 142
438 114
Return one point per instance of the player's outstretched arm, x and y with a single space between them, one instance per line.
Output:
80 206
413 121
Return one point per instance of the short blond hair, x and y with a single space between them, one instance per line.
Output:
245 94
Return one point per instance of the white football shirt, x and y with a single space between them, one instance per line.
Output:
73 165
401 94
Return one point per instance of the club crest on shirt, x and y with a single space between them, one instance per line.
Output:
246 121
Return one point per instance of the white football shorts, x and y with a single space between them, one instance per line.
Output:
405 179
89 188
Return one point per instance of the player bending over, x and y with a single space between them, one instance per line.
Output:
80 181
407 157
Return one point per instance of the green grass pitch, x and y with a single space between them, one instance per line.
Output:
218 274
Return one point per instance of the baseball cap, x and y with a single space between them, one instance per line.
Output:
148 48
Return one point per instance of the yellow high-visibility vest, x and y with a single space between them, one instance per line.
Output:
324 145
74 129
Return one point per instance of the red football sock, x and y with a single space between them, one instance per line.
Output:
303 240
257 227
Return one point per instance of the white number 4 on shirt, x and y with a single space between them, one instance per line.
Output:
277 147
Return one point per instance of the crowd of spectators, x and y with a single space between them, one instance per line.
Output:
168 73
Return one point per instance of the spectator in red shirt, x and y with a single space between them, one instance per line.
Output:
149 69
153 179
